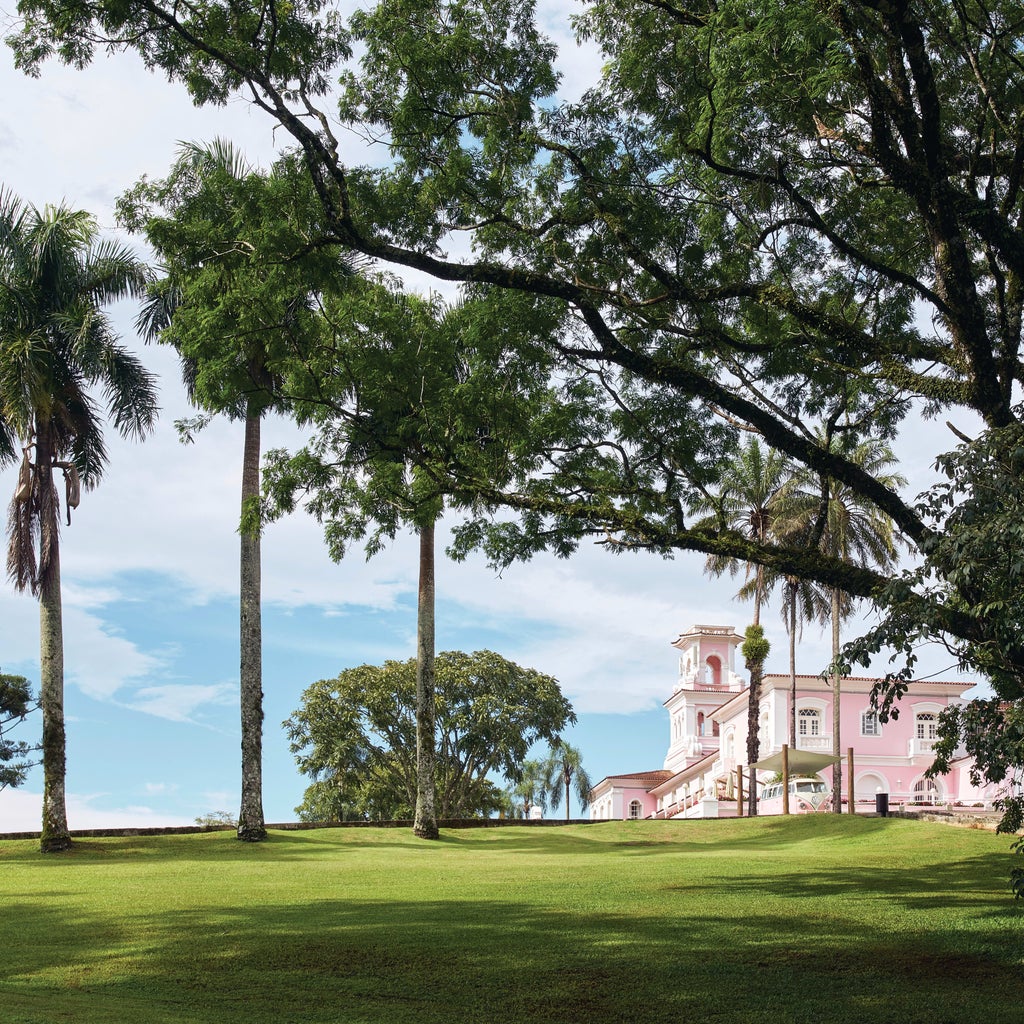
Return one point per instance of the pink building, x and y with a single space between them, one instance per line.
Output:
708 738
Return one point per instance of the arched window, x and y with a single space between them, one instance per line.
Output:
926 724
926 791
700 723
808 722
636 810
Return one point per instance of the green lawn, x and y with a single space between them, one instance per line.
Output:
813 919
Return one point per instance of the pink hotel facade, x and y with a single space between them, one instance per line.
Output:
707 715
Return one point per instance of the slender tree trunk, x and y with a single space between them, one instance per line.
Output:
753 725
251 826
568 779
754 702
837 747
425 825
54 835
792 665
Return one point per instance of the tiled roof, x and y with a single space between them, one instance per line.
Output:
657 775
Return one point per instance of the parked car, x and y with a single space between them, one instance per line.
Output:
807 795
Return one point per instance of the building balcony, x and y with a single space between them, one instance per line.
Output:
821 744
920 748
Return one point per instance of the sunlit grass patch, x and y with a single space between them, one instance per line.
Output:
809 919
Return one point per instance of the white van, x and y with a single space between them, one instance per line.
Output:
806 796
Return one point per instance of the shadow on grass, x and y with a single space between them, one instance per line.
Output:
210 846
469 960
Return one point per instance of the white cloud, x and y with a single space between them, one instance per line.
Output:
179 703
161 788
20 811
98 659
217 800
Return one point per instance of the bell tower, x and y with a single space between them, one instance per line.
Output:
707 678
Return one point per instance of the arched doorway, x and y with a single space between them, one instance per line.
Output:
927 791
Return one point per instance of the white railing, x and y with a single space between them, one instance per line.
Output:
919 748
823 743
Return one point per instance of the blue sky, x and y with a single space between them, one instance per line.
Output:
150 562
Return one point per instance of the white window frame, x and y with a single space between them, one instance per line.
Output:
870 717
805 715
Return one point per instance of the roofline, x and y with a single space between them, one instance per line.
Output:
712 757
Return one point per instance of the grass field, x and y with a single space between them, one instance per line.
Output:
815 919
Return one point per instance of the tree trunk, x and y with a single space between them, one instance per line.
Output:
568 779
54 835
792 665
753 739
425 825
837 747
251 826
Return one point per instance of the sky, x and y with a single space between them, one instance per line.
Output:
150 562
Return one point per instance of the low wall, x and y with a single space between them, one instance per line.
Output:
964 818
299 826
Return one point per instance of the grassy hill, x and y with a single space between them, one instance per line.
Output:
815 919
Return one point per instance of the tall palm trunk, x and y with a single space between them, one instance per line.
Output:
54 835
791 586
837 747
756 670
251 826
425 825
753 739
568 779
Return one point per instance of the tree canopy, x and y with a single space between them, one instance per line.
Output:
355 735
775 217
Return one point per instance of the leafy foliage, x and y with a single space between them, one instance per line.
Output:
16 704
563 770
355 736
972 572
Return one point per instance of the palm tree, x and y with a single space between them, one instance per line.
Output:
750 502
849 529
563 767
224 307
56 347
530 789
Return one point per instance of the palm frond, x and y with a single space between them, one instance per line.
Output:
22 528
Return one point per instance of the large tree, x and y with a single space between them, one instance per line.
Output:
356 735
758 214
58 354
238 283
403 387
